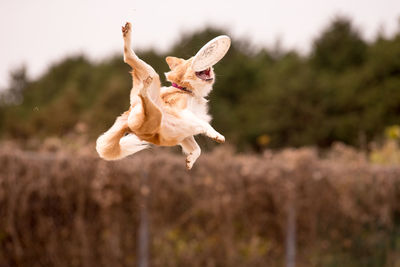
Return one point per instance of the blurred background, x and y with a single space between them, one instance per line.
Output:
308 98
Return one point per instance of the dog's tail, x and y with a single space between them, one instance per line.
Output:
115 144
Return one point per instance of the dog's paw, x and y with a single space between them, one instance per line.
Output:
189 164
148 81
126 29
219 138
190 160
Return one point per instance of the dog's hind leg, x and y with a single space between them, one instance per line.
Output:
145 117
191 149
152 113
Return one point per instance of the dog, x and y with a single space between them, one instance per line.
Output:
163 116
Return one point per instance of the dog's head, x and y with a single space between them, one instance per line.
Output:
200 82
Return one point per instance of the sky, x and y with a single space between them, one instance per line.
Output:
43 32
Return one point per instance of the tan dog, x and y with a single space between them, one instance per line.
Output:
166 116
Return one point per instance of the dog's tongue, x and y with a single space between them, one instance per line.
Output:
204 75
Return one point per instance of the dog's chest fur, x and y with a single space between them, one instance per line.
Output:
180 100
198 105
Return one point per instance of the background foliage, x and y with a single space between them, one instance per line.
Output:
60 205
61 209
345 89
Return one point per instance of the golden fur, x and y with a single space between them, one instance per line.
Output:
165 116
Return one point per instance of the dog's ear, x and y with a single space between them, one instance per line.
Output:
173 62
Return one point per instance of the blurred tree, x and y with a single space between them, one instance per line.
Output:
344 90
18 82
340 46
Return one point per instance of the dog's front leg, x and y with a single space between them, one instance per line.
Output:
191 149
199 126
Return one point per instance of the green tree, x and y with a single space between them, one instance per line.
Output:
339 47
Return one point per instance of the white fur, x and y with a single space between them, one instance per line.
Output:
128 144
193 120
131 144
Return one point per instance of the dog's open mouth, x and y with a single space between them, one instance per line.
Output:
205 75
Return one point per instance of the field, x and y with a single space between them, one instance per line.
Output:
331 208
309 174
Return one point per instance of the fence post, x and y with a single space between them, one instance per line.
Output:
143 235
291 230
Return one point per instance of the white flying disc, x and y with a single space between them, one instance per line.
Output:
211 53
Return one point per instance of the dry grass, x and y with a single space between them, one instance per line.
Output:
60 209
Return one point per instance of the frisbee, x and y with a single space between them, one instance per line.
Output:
211 53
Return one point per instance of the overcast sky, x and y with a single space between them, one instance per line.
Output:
40 32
